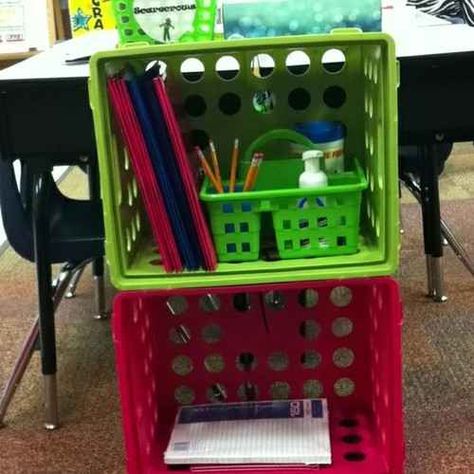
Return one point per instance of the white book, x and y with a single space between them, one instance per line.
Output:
275 432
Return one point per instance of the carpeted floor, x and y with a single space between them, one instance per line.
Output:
439 369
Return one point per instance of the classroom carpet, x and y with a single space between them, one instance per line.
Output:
438 369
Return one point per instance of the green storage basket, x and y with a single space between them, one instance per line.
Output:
362 95
306 223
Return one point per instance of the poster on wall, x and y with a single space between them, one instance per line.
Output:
25 25
430 27
12 23
90 15
457 12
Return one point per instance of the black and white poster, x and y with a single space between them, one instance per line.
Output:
452 11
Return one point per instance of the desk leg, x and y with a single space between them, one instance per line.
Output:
432 222
40 209
424 200
29 346
98 264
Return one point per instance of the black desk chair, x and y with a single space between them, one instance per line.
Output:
419 172
45 227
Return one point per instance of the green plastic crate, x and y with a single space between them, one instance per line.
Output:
306 223
363 95
130 31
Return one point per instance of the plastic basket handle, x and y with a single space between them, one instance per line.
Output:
274 135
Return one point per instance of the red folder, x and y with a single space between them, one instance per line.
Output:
204 236
153 200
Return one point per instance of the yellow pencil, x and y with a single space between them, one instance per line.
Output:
215 163
252 173
233 169
207 170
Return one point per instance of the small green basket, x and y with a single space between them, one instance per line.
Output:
306 223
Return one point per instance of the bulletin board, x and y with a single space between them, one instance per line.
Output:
26 25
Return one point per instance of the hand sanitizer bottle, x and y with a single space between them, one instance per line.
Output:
313 176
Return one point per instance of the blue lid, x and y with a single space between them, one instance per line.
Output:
322 131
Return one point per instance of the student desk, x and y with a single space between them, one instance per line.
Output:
436 103
45 120
46 108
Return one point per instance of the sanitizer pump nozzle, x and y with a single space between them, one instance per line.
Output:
313 176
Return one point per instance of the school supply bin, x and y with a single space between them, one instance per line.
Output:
263 90
336 340
306 223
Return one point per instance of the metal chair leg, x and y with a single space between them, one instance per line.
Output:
71 292
18 370
458 249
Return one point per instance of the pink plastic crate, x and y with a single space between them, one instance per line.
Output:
339 340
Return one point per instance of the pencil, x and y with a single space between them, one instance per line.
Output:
215 163
233 169
252 173
207 170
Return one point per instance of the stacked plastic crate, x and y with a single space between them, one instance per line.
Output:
332 323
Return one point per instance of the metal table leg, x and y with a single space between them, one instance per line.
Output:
98 264
45 300
415 189
99 288
432 221
426 238
62 282
429 276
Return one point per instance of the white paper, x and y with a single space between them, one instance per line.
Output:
279 432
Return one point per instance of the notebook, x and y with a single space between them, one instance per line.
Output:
274 432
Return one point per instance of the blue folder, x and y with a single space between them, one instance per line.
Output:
172 194
170 162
